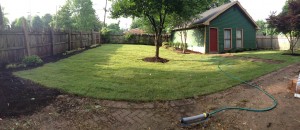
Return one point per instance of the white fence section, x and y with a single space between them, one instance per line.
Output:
275 42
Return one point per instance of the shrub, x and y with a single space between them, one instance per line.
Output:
14 66
33 60
177 45
165 44
171 44
128 36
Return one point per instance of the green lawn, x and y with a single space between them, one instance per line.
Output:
117 72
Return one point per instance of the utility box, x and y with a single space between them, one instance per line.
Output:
294 86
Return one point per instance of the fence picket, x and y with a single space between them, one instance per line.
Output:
15 43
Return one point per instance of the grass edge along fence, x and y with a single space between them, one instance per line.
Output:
16 44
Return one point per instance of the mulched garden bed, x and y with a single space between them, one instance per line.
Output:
154 59
22 97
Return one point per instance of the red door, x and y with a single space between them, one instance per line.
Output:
213 40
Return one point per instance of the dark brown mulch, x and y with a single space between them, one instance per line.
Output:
22 97
295 54
154 59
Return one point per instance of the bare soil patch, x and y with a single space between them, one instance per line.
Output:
253 59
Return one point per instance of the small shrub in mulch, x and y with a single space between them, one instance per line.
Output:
154 59
295 54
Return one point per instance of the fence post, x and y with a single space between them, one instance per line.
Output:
81 43
26 38
69 40
93 38
52 41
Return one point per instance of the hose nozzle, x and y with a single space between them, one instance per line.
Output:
194 119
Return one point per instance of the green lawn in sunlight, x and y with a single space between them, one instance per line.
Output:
117 72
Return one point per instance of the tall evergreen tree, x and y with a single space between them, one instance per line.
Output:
37 23
63 20
1 19
47 19
83 14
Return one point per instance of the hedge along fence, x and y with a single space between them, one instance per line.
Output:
16 44
143 39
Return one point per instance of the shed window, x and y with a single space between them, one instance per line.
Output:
227 38
239 38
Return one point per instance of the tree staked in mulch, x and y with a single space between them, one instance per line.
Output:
154 59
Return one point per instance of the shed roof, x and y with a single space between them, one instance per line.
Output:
206 17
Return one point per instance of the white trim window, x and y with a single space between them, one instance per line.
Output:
227 38
239 38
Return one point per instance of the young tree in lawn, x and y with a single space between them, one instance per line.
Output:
288 23
155 11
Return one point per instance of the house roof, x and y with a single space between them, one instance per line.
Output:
206 17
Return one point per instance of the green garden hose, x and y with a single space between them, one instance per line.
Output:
199 118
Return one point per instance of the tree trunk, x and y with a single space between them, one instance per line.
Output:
292 46
185 44
157 42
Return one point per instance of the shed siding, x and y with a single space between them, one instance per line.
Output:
234 18
195 39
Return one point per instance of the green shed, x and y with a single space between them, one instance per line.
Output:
227 27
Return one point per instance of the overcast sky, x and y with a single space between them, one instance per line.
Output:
258 9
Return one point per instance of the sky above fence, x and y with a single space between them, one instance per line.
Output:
258 9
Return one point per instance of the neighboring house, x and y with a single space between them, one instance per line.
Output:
219 29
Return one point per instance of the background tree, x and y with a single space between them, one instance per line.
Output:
63 20
288 23
17 23
217 3
47 19
141 23
155 12
112 29
262 25
37 23
83 14
3 20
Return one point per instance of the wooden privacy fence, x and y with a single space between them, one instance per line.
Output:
275 42
144 39
16 44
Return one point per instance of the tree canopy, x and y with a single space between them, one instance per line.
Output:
76 14
288 22
156 12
